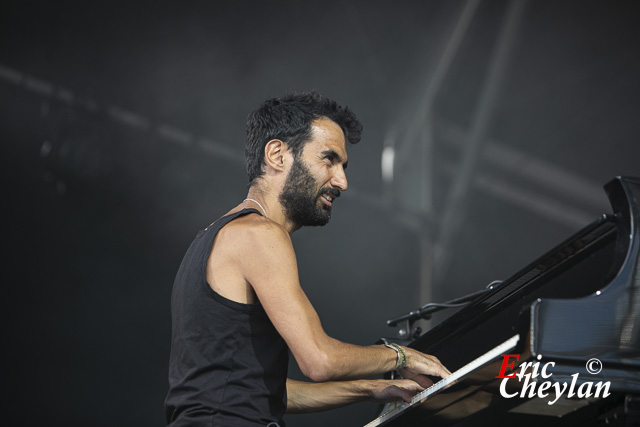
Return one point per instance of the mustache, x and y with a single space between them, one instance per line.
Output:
335 193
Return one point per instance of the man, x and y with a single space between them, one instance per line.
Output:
237 304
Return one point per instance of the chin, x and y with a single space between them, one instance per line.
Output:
318 220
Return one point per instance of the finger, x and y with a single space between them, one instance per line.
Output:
439 369
408 385
406 396
393 393
445 371
423 380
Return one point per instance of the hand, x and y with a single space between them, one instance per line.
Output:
419 365
385 391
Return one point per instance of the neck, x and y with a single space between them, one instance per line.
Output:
271 205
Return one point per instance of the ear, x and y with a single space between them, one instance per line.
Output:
275 154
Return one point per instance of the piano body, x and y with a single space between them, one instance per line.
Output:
579 301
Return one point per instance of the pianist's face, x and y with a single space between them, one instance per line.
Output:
316 176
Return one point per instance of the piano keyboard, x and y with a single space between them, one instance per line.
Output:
399 407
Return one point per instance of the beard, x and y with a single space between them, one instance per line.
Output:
299 197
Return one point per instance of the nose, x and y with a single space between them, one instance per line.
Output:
339 179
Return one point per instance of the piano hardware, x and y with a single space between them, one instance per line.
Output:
581 300
425 312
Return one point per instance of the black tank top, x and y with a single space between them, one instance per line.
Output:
228 364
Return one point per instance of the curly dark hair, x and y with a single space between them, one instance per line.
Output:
289 119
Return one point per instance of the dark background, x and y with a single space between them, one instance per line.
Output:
122 132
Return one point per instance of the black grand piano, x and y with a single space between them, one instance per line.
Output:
577 306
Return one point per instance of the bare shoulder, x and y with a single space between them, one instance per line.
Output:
251 235
243 252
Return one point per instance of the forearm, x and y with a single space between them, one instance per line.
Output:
315 397
336 360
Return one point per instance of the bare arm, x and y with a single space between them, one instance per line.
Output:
267 260
313 397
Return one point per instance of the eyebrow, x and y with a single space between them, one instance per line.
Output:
337 156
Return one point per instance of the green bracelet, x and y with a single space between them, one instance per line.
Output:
402 356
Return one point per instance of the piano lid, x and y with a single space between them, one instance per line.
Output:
606 323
